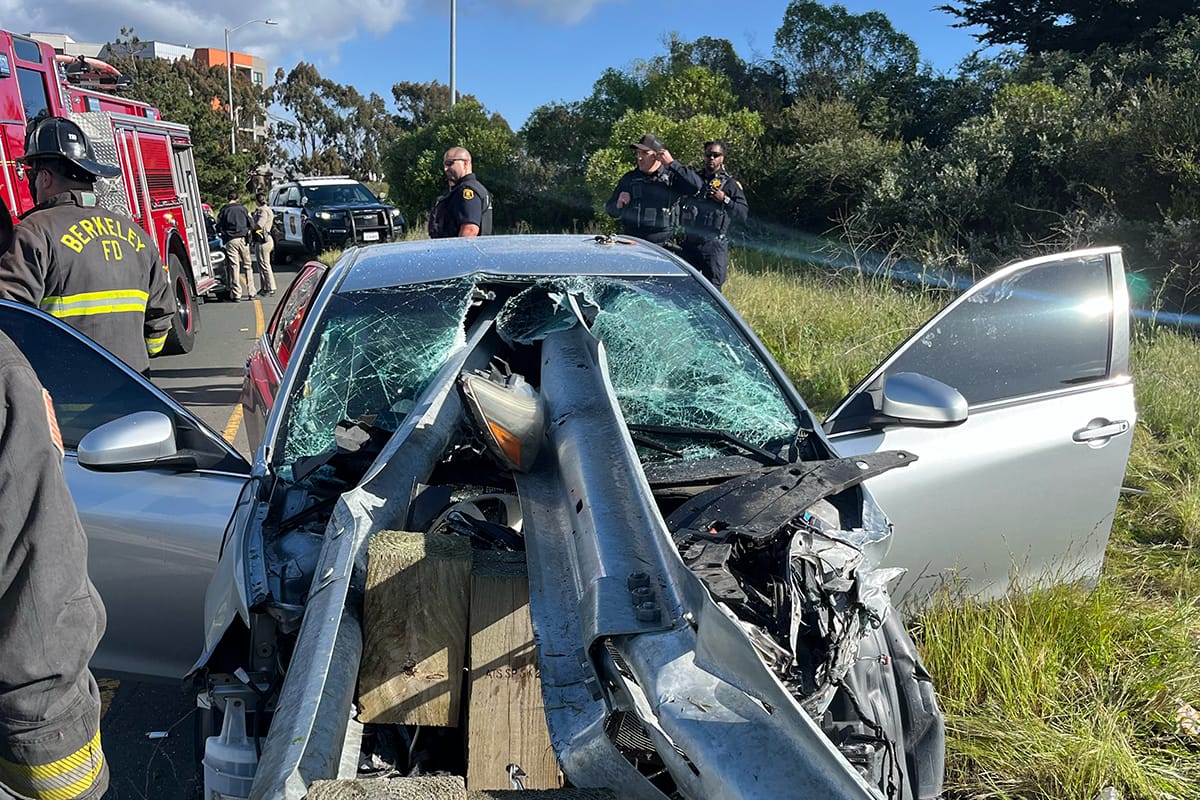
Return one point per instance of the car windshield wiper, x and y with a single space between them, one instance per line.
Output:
766 456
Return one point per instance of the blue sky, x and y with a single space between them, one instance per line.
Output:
514 55
514 60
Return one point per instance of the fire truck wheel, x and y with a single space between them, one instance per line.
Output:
182 336
312 242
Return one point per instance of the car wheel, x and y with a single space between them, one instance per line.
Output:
312 242
181 338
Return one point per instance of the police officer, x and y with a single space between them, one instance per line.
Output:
51 617
708 215
646 198
262 243
466 207
93 268
233 221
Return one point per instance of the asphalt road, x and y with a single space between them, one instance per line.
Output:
148 728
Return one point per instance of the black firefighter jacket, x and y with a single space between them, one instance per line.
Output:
51 617
94 269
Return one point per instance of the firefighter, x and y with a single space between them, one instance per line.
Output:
93 268
707 216
646 198
51 617
465 209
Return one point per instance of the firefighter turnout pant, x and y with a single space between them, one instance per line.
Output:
51 617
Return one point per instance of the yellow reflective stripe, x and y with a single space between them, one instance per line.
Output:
58 780
88 303
155 344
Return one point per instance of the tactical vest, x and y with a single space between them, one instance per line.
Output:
653 210
703 217
485 221
440 224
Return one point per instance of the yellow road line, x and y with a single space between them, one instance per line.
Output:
235 419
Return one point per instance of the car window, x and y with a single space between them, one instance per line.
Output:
675 358
285 327
291 198
373 353
88 389
338 194
1045 328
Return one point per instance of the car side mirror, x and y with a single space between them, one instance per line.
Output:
915 399
135 439
142 440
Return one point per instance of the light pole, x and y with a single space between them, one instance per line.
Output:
229 77
453 46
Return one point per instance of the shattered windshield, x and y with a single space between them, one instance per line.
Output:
675 359
374 353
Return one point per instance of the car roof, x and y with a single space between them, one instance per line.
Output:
523 256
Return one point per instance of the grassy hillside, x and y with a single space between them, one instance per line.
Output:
1061 693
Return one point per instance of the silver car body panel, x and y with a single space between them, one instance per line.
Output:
151 563
153 534
1024 491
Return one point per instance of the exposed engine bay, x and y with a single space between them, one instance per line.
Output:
705 588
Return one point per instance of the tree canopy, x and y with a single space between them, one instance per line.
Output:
1077 26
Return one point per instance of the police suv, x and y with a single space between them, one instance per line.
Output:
316 214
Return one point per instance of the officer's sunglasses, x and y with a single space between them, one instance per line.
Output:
450 161
713 154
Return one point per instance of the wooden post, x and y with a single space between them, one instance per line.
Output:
414 628
506 719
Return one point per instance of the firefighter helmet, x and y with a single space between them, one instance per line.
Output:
55 137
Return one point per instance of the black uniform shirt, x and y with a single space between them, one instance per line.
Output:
466 203
233 221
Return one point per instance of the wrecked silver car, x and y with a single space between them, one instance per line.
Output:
698 557
709 581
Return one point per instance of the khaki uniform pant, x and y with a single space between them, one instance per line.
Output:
262 265
239 267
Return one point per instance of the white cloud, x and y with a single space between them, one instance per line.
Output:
315 25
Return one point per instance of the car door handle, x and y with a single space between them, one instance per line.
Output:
1106 430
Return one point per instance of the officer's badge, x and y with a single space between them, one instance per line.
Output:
468 194
715 183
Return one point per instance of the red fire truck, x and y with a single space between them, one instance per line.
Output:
157 185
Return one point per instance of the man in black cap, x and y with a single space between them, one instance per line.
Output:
707 216
646 199
95 269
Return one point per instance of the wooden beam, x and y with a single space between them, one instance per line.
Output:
429 787
414 629
506 720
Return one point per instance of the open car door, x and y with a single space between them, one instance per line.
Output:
1022 435
154 487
